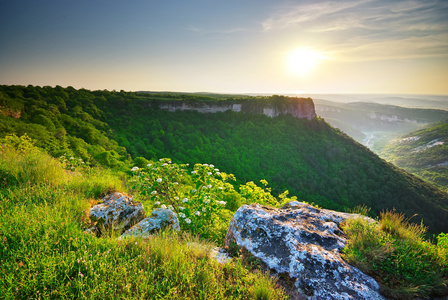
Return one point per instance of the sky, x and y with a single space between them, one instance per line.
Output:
232 46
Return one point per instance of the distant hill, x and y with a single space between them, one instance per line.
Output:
374 124
309 158
424 152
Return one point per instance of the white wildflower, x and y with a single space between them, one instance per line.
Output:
205 165
163 206
161 159
164 164
197 213
209 173
194 191
182 215
207 201
153 192
193 172
171 207
175 183
134 169
72 157
148 165
188 221
181 207
212 166
159 179
176 198
220 187
221 202
216 170
203 209
218 173
157 203
185 200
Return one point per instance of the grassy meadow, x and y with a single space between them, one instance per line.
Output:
45 252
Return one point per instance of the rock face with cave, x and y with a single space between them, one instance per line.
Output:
303 243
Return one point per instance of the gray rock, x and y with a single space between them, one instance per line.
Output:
117 210
160 219
305 243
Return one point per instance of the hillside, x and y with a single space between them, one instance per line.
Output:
423 152
374 124
309 158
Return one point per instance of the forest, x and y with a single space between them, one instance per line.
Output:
307 158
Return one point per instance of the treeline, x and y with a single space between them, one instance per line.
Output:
309 158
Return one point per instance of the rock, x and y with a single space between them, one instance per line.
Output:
117 210
160 219
304 243
302 108
220 255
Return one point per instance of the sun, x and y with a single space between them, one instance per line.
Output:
303 60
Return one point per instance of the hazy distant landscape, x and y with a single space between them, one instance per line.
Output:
375 123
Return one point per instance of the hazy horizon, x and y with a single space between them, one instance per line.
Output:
240 47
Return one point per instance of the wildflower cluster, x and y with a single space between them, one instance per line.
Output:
71 162
196 196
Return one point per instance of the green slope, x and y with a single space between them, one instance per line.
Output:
309 158
424 152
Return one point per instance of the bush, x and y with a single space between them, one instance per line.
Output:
21 162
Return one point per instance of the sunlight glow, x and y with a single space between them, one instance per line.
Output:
303 60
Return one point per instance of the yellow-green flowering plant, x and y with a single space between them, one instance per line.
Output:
196 196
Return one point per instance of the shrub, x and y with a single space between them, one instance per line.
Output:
197 196
21 162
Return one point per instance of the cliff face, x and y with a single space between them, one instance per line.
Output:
302 108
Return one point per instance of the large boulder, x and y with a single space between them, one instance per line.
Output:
117 210
303 243
160 218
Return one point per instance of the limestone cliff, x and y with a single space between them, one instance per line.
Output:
302 108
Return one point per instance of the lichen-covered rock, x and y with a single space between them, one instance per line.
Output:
117 210
160 219
303 242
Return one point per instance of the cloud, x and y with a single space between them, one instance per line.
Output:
215 31
306 13
408 48
370 29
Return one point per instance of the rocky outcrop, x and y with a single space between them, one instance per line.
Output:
117 210
160 219
16 114
302 108
304 243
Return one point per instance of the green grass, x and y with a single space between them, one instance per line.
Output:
46 254
394 252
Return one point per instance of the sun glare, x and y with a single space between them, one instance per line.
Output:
302 61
